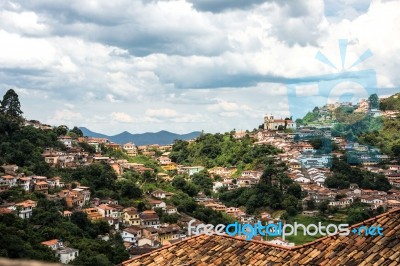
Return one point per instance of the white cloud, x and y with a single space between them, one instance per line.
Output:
111 98
168 114
229 114
165 64
121 117
65 117
69 105
307 90
161 113
24 22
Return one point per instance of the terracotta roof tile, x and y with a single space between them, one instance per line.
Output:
331 250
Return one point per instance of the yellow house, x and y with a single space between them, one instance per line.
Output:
166 234
169 167
131 216
92 214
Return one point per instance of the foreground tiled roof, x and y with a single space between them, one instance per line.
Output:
351 250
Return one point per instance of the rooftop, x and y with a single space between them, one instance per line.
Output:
330 250
50 242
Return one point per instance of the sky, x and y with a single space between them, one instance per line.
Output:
182 66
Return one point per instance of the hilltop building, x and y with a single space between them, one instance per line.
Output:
270 123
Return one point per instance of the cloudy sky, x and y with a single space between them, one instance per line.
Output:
213 65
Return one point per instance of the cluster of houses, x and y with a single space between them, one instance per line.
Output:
23 209
216 205
327 113
345 197
28 183
248 178
75 156
37 124
311 175
141 230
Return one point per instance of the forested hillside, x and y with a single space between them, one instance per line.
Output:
212 150
387 138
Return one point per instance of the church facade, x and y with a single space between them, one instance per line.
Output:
270 123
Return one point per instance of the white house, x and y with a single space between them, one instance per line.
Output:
280 242
217 185
170 209
253 174
190 170
66 255
149 219
113 222
131 234
302 180
107 211
159 194
341 203
130 149
24 182
66 140
157 204
164 160
9 179
25 208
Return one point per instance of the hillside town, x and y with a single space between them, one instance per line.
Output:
143 230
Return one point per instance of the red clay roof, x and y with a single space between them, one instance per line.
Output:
351 250
8 177
50 242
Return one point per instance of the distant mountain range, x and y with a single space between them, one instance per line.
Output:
162 137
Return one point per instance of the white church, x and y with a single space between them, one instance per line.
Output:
270 123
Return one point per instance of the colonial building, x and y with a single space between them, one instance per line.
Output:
130 149
270 123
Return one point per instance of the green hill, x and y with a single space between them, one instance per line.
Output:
390 103
211 150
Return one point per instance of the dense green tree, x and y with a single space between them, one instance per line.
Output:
87 147
98 175
323 206
61 130
202 180
396 150
141 206
81 220
373 101
344 174
311 204
10 105
189 188
87 258
211 150
129 189
18 240
77 131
